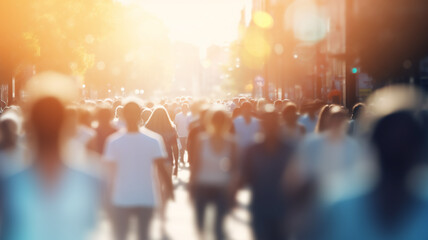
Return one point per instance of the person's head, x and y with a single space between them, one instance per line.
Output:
116 104
150 105
332 117
398 139
218 122
261 104
278 105
289 114
270 122
246 109
118 113
160 121
104 115
357 111
236 101
145 114
236 112
185 108
131 114
338 119
322 123
84 117
46 121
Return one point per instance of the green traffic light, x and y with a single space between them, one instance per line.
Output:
354 70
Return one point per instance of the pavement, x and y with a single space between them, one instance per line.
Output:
180 219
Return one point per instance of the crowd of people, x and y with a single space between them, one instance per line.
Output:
315 170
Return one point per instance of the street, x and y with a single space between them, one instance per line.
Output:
180 223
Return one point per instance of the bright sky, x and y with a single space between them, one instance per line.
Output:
200 22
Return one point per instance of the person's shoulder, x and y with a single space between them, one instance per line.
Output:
116 136
150 135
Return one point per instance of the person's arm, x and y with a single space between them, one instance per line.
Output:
174 145
193 154
164 177
191 140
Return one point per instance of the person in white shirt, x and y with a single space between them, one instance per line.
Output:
137 161
182 121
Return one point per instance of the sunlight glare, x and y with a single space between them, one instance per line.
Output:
263 19
199 22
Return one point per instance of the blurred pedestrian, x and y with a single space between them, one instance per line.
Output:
48 200
160 123
211 170
182 121
262 170
136 158
395 209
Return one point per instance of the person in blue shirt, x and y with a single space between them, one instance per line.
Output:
48 200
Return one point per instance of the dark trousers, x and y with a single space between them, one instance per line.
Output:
205 195
122 217
267 227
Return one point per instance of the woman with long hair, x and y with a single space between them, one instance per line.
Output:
160 122
322 123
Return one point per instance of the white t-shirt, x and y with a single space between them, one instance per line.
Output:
215 166
134 154
182 122
245 133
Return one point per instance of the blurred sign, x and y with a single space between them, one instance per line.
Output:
365 86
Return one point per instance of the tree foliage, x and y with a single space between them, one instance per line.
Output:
108 43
